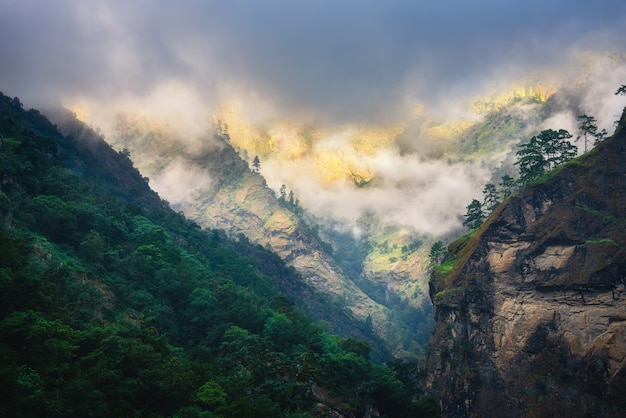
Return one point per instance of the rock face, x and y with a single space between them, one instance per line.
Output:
210 183
531 320
241 203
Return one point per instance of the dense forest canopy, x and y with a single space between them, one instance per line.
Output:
112 304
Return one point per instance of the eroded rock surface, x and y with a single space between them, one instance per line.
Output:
532 319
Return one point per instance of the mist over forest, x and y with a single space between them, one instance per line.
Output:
394 73
314 162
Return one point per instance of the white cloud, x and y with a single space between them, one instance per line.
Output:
180 182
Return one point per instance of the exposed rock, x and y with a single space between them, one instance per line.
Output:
222 192
532 319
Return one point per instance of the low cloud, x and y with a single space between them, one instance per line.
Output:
332 62
173 182
323 63
425 197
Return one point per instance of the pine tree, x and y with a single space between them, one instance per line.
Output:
256 164
554 146
436 254
507 183
531 161
491 198
544 152
589 129
291 198
474 216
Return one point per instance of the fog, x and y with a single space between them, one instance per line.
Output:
330 65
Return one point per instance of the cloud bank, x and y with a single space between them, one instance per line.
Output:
327 60
423 197
322 63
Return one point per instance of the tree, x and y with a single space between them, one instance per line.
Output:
436 254
282 194
531 161
600 137
621 90
556 147
490 200
291 198
474 216
544 152
211 394
222 131
256 164
507 183
587 127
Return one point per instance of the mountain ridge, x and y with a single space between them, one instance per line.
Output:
113 307
529 310
237 200
387 285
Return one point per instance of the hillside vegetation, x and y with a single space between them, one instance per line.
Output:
379 278
529 306
112 304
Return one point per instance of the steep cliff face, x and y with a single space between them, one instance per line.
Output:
239 202
531 313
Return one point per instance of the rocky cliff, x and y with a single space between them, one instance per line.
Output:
530 310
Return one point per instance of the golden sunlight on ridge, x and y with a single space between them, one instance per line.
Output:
335 155
495 101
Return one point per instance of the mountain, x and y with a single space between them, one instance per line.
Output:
113 304
236 200
220 190
530 308
378 276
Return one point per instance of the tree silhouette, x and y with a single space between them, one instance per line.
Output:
544 152
588 129
474 216
531 161
436 254
507 183
556 147
491 199
256 164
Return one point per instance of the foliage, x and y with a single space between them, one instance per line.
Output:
436 254
475 215
256 164
446 267
292 202
491 198
544 152
507 185
111 304
587 125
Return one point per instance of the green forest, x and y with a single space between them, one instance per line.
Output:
112 304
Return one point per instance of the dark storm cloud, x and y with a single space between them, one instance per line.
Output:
332 59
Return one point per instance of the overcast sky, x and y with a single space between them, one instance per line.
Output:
332 63
338 60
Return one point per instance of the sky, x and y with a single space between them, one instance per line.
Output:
328 60
324 62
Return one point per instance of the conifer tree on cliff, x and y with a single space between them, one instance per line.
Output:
544 152
474 216
256 164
